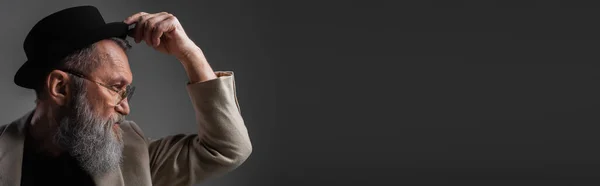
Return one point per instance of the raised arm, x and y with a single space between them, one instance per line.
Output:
222 141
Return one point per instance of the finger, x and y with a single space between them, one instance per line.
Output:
133 22
150 26
134 18
139 26
162 27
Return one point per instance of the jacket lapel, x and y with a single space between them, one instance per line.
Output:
11 151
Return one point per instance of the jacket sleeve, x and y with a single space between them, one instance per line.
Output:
221 144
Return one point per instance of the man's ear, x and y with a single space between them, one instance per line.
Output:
57 86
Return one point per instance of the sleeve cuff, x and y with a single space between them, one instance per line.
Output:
220 74
221 90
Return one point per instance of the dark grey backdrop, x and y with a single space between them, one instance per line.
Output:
429 92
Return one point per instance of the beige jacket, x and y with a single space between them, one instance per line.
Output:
222 144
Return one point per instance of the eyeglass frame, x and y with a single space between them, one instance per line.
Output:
123 93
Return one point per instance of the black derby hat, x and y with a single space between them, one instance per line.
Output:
60 34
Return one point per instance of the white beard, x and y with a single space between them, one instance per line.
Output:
90 139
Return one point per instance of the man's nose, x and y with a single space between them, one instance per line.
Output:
123 107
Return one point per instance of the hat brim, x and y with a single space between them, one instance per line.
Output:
30 73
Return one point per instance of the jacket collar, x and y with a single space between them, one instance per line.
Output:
11 151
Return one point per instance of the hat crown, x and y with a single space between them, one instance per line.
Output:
59 34
55 29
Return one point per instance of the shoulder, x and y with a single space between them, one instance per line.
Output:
16 127
132 130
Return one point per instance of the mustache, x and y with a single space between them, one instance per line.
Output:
117 118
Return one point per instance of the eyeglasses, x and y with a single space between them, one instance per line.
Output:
123 93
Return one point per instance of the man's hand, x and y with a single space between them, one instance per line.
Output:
161 31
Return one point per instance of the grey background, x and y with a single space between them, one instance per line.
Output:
429 92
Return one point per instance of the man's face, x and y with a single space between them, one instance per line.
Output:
113 71
89 130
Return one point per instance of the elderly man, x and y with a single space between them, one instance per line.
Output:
77 134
